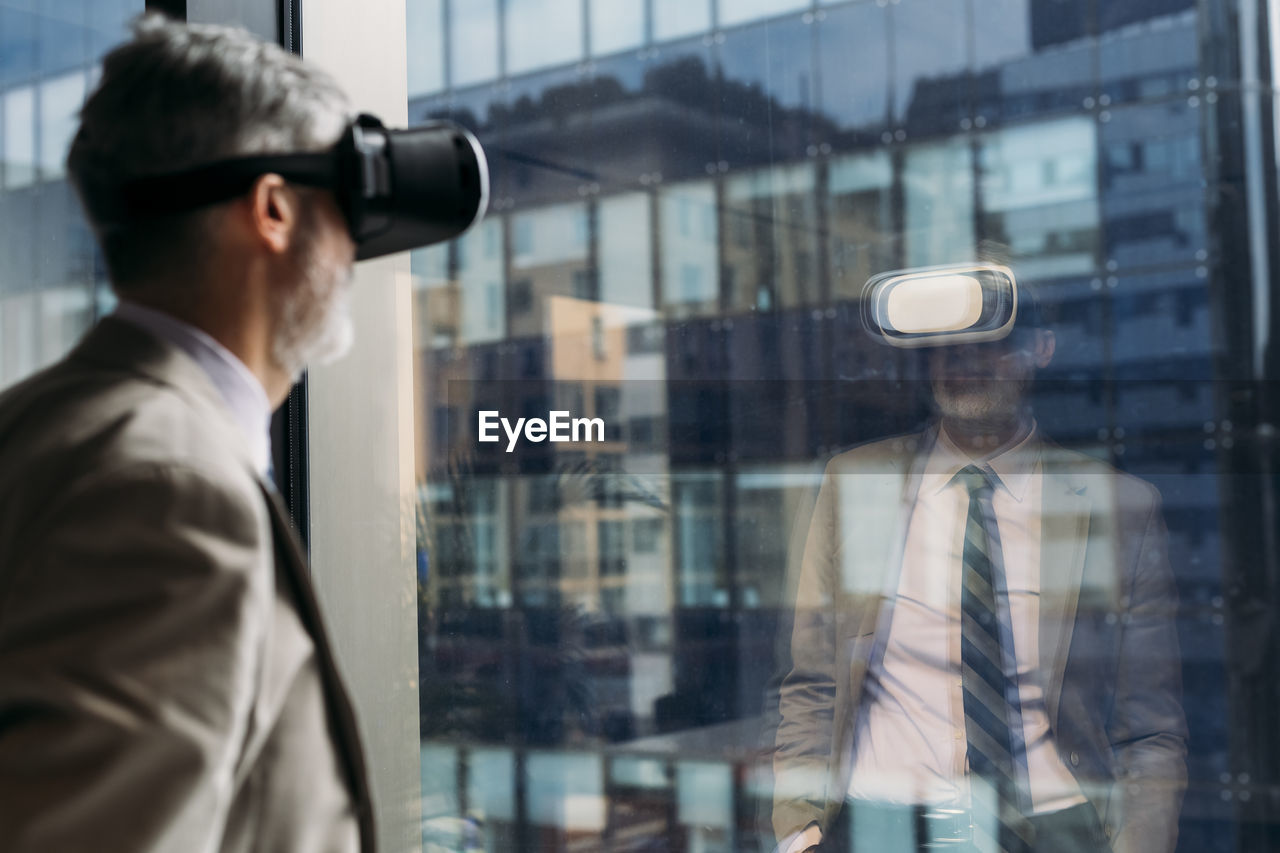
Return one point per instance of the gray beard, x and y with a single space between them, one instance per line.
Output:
315 320
995 404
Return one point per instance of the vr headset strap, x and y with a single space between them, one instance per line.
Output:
178 192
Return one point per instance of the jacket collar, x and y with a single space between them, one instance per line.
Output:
117 344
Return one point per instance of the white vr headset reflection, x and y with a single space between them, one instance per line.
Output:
939 306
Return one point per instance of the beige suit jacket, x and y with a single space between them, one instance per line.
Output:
1107 636
165 681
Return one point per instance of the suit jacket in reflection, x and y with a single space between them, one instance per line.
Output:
165 681
1108 642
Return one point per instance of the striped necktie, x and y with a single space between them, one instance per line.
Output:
991 710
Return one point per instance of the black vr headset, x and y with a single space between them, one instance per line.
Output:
399 189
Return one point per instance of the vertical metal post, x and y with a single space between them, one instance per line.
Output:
289 426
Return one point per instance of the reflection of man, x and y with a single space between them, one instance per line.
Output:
165 682
984 653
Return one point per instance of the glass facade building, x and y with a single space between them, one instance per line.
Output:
51 284
687 201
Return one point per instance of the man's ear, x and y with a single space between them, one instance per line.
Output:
273 210
1046 344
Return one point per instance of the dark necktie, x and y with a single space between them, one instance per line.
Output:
990 694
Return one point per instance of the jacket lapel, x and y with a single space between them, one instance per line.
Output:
1066 507
293 565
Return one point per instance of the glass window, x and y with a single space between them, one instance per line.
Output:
616 26
491 796
1151 174
566 801
1040 195
688 230
853 48
481 278
1029 59
51 286
929 63
675 18
768 78
704 798
860 219
19 137
542 32
424 43
680 249
938 179
626 250
740 11
770 252
60 100
698 506
19 60
1006 34
549 263
473 41
773 57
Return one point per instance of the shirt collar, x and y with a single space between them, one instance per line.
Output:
1013 466
240 389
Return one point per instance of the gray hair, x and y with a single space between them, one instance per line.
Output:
181 95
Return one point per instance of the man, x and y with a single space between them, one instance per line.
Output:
984 653
165 681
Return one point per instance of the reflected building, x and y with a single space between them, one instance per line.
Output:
52 285
682 224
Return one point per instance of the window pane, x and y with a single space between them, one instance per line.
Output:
18 59
768 78
688 231
51 285
676 18
853 48
1151 177
1040 195
19 137
930 82
549 262
566 796
481 283
861 222
542 32
60 101
473 33
424 45
616 26
939 202
685 230
1142 63
626 252
741 11
770 251
1030 60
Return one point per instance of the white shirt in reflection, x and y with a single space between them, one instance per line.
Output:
910 743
